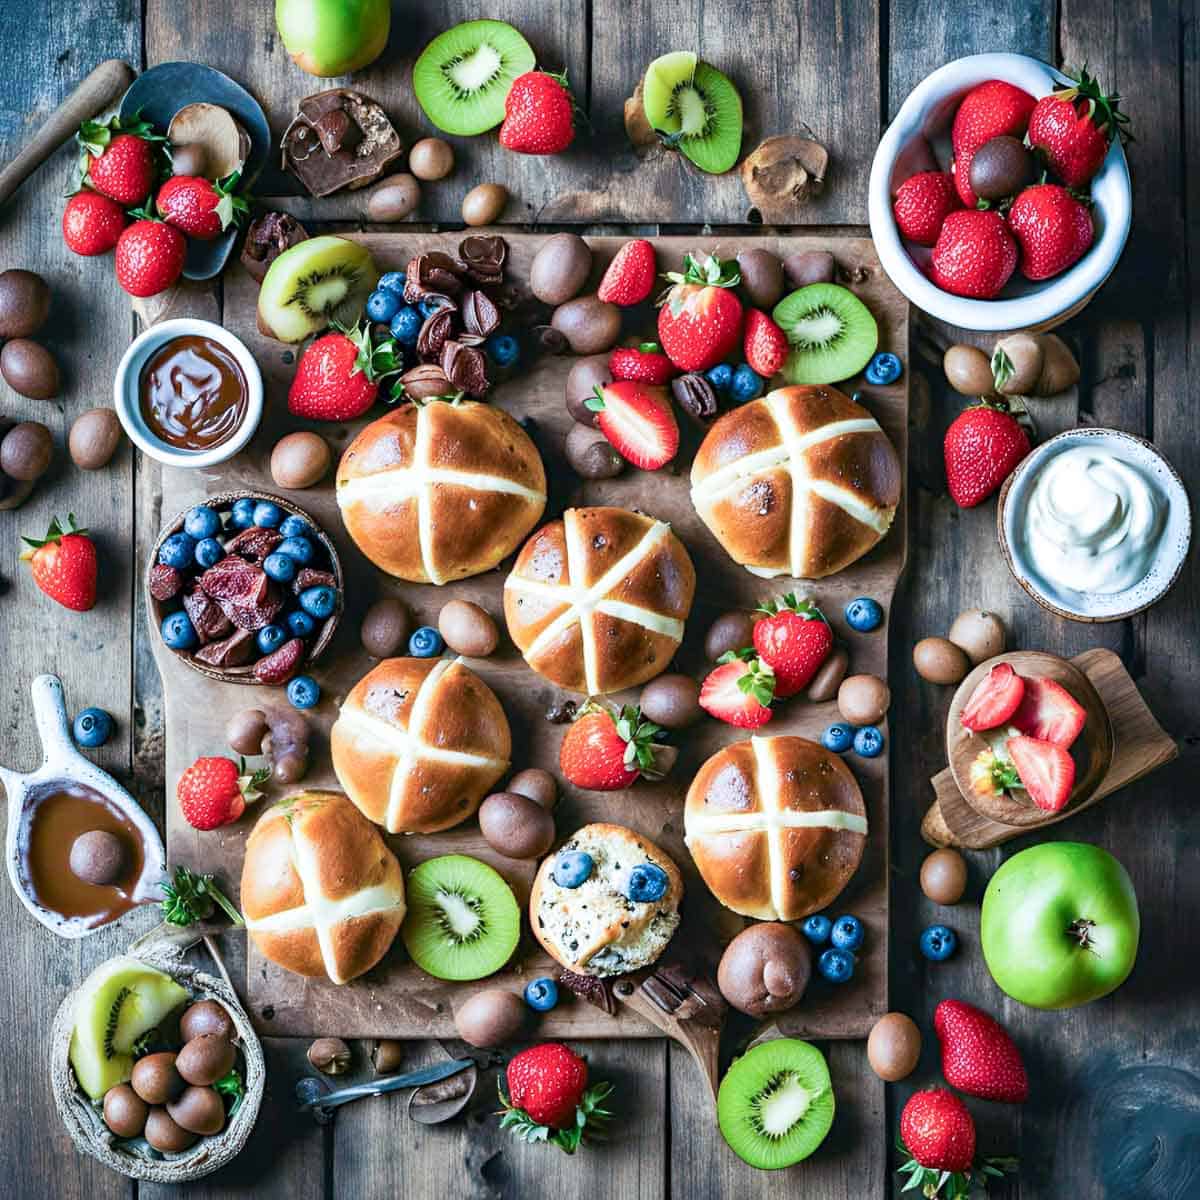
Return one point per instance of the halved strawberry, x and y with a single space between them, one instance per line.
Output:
638 421
1049 712
739 691
1047 771
994 700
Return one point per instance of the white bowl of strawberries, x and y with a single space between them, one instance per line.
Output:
962 220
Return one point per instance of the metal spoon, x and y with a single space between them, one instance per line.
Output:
321 1104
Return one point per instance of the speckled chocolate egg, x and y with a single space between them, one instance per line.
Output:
205 1059
30 369
944 876
483 204
393 198
300 460
385 627
537 784
156 1077
468 629
585 376
26 451
730 631
125 1112
672 701
198 1110
516 826
968 370
825 683
24 303
589 324
894 1047
491 1018
97 857
165 1135
939 660
979 633
765 969
560 268
863 699
431 158
205 1016
94 438
762 277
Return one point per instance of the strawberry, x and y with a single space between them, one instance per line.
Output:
982 447
994 699
988 110
338 375
64 564
700 319
974 254
938 1136
644 363
605 753
1071 129
539 114
1047 771
638 421
793 639
739 691
215 791
200 208
630 276
1052 228
978 1056
92 223
923 201
549 1100
117 158
764 344
1049 713
149 257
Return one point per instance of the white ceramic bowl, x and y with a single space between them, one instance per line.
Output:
924 121
126 400
1173 542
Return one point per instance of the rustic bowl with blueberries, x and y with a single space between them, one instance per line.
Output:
246 588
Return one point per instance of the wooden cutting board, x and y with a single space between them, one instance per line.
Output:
396 999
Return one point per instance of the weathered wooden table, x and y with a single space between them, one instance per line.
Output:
1115 1109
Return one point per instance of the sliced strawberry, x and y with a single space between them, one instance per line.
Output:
638 421
994 700
1049 713
739 691
1047 771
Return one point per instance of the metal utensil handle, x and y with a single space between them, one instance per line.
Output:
392 1084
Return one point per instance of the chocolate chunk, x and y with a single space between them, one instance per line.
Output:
426 382
165 582
466 368
483 257
235 579
234 651
308 577
432 274
696 396
591 988
337 131
267 238
480 317
437 330
255 543
339 138
257 614
209 622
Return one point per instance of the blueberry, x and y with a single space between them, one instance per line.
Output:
293 526
847 933
406 325
816 928
883 369
541 994
242 514
300 624
178 551
267 515
720 376
836 965
208 552
202 522
572 868
298 549
270 638
426 642
502 349
303 691
938 942
428 307
747 384
383 305
318 602
647 882
864 614
93 727
279 567
392 281
838 737
868 742
178 633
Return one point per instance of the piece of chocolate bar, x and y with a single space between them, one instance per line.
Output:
339 139
234 651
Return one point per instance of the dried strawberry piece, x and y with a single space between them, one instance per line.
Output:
279 667
234 651
308 577
254 543
165 582
255 616
209 622
235 579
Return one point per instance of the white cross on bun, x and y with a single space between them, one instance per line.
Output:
800 482
596 602
435 492
321 892
776 826
419 742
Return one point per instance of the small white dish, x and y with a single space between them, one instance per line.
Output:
923 122
126 387
1173 542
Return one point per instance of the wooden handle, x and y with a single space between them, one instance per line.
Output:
102 88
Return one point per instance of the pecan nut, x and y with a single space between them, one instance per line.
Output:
426 382
696 396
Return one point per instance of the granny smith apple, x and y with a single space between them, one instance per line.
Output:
1060 925
333 37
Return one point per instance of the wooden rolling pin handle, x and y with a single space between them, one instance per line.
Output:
100 90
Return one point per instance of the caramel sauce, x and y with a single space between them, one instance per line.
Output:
192 393
58 818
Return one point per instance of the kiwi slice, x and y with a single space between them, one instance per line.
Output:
313 284
695 109
831 332
776 1103
463 921
462 77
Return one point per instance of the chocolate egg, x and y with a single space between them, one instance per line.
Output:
300 460
589 324
393 198
26 451
762 277
825 683
244 732
730 631
537 784
206 1016
24 303
431 158
198 1110
30 369
94 438
672 701
165 1135
516 826
125 1112
491 1018
560 268
97 857
205 1059
483 204
809 266
385 627
591 455
765 969
979 633
468 629
944 876
156 1077
894 1047
968 371
940 661
863 699
1001 167
583 379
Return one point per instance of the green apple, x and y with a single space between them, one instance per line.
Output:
333 37
1060 925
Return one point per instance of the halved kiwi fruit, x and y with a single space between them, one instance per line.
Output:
695 108
831 333
312 284
462 77
463 921
776 1103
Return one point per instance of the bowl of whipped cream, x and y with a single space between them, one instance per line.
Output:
1095 524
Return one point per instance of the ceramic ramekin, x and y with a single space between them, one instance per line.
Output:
126 400
923 122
